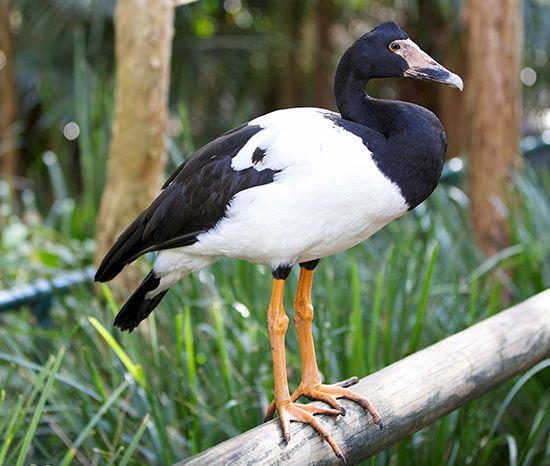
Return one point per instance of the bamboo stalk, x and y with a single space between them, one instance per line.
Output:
409 395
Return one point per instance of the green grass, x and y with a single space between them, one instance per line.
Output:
199 371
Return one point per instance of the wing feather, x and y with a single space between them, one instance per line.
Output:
193 200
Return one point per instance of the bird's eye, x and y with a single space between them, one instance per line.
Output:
394 46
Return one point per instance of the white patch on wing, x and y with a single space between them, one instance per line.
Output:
243 159
301 128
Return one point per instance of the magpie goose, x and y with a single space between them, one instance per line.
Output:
289 188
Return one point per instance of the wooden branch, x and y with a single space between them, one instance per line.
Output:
409 394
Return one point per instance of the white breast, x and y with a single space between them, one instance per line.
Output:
328 196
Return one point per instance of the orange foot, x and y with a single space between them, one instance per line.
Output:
289 411
329 394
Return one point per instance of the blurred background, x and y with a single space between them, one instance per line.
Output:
73 391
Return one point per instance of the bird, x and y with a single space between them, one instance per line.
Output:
287 189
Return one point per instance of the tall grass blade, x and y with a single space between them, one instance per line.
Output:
473 302
153 333
495 295
225 362
421 309
110 299
192 374
134 443
509 397
134 369
40 406
497 260
375 324
357 354
114 458
11 430
93 422
60 377
389 306
512 450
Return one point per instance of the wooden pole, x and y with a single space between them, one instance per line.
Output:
409 394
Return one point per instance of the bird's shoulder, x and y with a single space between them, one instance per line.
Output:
302 137
197 193
274 141
221 149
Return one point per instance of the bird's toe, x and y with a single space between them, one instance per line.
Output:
304 413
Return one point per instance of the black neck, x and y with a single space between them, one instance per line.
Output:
413 139
355 105
349 90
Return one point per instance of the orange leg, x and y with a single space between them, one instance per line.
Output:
277 324
311 386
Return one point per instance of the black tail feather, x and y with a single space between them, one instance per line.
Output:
137 307
121 254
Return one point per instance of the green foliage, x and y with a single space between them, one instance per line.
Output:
227 61
30 248
198 372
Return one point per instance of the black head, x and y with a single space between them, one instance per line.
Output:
387 52
371 55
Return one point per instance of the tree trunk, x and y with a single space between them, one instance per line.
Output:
324 74
8 109
452 104
494 58
137 152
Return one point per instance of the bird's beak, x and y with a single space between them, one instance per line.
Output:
422 66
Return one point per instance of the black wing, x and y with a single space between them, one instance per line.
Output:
193 200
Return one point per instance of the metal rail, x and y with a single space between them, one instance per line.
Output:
39 295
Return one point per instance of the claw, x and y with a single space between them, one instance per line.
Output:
330 393
290 411
348 382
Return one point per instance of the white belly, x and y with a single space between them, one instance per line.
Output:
311 210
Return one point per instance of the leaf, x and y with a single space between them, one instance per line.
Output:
40 406
134 369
